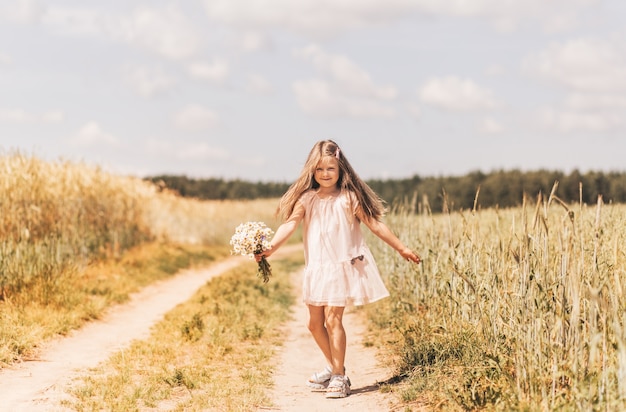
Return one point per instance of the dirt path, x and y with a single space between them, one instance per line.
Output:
39 385
300 357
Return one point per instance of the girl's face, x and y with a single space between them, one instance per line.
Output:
327 172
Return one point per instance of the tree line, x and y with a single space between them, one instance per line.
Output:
498 188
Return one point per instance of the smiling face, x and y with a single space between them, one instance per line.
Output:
327 173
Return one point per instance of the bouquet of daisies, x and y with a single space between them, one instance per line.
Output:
251 238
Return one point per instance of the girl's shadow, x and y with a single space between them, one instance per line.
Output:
365 389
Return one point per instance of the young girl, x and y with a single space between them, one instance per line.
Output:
331 201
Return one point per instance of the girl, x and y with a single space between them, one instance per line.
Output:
331 200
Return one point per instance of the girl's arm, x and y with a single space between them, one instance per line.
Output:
382 231
284 231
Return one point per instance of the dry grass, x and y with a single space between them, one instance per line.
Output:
189 221
511 309
74 240
518 309
213 352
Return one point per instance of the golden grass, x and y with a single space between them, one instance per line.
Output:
75 239
190 221
511 309
26 322
213 352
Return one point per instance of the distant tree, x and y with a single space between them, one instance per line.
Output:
498 188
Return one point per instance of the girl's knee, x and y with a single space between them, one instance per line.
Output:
334 322
334 318
315 326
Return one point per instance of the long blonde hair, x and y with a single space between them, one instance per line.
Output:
371 204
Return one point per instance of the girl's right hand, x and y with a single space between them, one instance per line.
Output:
266 253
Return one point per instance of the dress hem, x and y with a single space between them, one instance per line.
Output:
343 303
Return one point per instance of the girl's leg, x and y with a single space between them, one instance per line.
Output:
317 326
326 326
336 338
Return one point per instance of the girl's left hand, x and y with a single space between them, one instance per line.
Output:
411 256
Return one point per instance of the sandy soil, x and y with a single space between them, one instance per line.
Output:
300 357
39 385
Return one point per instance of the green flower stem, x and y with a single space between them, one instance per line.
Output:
265 270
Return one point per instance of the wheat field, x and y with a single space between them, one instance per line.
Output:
522 308
57 214
519 308
59 221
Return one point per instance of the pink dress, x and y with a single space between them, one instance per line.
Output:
340 269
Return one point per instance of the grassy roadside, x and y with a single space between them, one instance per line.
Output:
511 309
75 239
211 353
77 297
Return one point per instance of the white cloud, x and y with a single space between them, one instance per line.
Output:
565 21
565 121
22 11
585 64
53 116
507 16
495 70
201 151
414 110
186 150
593 102
165 31
250 41
593 71
16 116
258 84
314 17
5 59
158 146
322 18
317 97
21 116
345 90
196 118
76 21
149 82
215 72
91 134
345 73
455 94
490 126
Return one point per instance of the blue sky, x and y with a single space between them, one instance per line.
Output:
244 88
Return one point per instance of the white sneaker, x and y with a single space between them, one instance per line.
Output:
320 380
339 387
